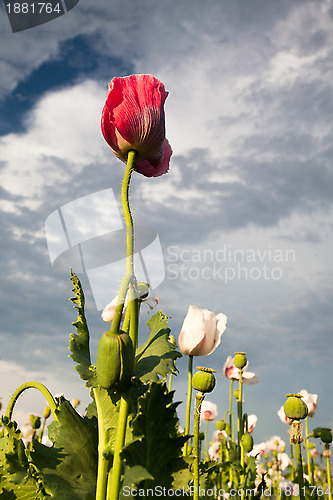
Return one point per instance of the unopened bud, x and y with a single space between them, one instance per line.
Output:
115 360
326 435
47 412
35 421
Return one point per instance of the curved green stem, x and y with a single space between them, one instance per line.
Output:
32 385
198 402
127 210
188 403
113 493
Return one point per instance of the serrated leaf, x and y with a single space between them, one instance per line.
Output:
79 342
69 468
157 355
17 479
157 446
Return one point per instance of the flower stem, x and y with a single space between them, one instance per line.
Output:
199 397
308 456
240 427
327 454
31 385
103 465
300 470
188 404
206 440
113 494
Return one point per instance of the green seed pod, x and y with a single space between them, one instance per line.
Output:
228 429
236 393
240 360
295 408
35 422
220 425
115 360
247 442
326 435
203 380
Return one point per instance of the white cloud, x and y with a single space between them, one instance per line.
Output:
62 136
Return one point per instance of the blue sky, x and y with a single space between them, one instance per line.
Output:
244 215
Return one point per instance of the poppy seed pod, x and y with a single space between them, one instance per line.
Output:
115 360
247 442
240 360
295 408
203 380
220 425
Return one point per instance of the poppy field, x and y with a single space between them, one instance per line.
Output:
110 452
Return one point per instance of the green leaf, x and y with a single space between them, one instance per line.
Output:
18 479
79 342
132 478
69 468
157 445
183 475
157 356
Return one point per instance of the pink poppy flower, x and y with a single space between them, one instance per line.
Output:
208 411
201 332
109 309
133 119
231 372
283 416
311 400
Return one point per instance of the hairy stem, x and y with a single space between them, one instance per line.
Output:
198 402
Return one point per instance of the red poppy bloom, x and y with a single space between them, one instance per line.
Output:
133 119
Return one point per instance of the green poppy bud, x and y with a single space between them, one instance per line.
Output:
295 408
35 422
220 425
143 290
240 360
203 380
236 394
316 432
326 435
228 430
247 442
115 360
47 412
